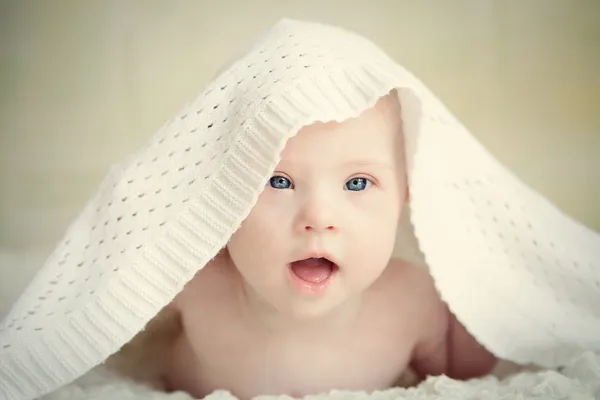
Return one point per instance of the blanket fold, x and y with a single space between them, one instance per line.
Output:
522 276
579 380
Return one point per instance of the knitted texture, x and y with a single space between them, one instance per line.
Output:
520 275
580 380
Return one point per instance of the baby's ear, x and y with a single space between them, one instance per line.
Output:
404 198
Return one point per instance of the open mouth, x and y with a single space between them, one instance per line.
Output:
313 271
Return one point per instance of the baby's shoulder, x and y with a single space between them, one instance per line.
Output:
413 287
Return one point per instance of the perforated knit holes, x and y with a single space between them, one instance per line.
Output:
152 189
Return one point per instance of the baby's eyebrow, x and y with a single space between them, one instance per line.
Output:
353 164
368 164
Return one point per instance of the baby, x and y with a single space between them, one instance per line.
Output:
305 298
279 279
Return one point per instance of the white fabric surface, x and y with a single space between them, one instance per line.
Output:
522 277
580 380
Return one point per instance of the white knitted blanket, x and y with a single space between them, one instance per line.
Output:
521 276
578 381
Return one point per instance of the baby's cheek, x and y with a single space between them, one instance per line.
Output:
269 220
380 233
264 229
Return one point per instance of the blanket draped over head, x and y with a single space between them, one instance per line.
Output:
523 277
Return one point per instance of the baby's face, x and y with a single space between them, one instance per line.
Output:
335 197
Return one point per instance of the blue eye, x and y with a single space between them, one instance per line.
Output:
357 184
280 182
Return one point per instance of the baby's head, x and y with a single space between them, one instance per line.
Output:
337 194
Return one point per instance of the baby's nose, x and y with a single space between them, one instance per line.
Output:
319 228
318 217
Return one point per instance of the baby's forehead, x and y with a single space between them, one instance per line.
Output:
377 129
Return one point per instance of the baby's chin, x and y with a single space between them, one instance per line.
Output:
309 312
329 308
334 296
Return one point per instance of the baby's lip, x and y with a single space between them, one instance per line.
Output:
318 254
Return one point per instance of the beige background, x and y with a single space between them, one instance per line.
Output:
83 83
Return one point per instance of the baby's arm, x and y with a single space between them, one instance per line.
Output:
445 347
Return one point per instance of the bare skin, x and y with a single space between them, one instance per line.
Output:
252 325
402 324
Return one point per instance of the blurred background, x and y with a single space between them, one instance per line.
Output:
84 83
